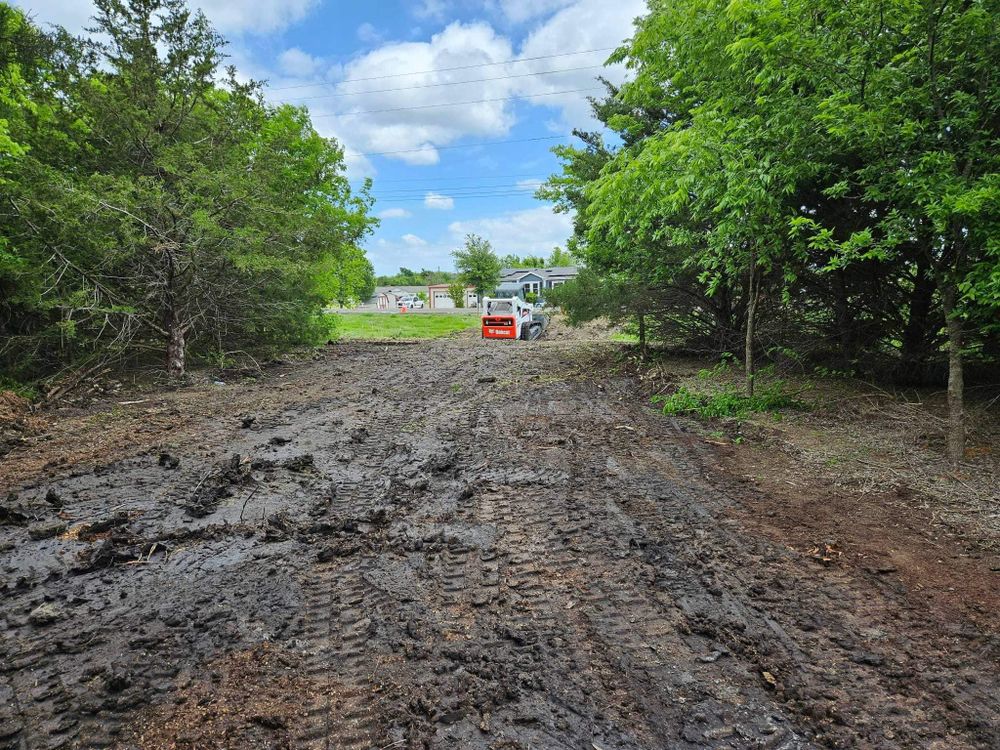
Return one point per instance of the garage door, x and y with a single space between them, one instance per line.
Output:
443 301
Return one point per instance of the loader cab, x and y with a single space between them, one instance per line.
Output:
504 318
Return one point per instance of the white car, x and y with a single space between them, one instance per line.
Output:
410 302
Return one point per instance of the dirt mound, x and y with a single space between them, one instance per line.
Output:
12 407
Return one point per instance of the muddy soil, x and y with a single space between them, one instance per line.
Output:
454 544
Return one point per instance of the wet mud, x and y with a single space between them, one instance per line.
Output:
461 544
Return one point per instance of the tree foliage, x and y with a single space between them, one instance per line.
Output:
149 206
409 277
478 265
817 179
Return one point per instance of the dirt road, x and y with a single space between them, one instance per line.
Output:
454 544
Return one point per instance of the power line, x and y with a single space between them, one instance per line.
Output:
465 197
461 193
436 85
463 145
445 70
452 179
451 190
457 196
451 104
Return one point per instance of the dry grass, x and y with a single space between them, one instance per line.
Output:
866 438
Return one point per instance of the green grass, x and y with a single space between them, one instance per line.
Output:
728 403
625 338
380 326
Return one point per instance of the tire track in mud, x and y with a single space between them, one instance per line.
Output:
559 577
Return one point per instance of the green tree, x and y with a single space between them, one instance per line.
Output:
560 257
515 261
826 171
456 290
478 265
171 209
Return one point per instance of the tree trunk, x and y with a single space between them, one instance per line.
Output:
751 316
175 348
916 339
956 387
842 310
642 335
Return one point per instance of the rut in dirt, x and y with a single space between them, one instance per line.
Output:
494 546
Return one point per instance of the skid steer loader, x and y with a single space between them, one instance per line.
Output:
511 318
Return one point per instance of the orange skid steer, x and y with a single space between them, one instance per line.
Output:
511 318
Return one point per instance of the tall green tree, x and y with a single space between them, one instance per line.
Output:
478 265
187 213
825 170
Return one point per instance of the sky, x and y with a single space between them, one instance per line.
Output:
451 107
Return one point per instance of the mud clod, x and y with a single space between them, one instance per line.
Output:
302 463
46 529
45 614
168 461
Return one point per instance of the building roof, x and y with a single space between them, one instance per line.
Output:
399 289
512 274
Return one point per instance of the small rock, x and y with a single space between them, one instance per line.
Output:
280 441
52 498
248 422
269 721
300 463
46 529
45 614
487 379
169 462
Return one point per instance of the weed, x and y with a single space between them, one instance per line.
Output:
728 403
726 363
24 390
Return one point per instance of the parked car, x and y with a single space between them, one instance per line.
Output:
410 302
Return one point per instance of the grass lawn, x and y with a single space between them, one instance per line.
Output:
402 326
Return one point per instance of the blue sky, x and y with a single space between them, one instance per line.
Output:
427 80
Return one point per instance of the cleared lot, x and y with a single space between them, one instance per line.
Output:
498 547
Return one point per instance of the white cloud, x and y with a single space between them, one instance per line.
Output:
439 202
228 16
395 213
519 11
582 25
368 34
295 62
533 231
431 9
400 120
75 15
414 241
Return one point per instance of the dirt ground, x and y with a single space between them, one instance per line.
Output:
468 544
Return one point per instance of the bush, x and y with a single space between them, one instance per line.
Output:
727 403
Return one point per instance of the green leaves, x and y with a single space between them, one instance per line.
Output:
148 196
478 265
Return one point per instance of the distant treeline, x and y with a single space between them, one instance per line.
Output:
425 277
